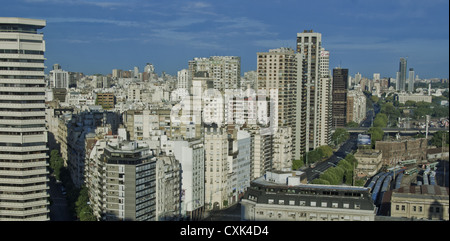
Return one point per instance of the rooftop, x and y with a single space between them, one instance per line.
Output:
36 23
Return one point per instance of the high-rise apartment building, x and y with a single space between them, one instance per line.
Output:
225 71
59 78
23 136
356 106
127 182
217 167
314 94
340 78
401 75
278 74
411 80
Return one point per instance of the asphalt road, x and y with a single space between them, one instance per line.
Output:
346 148
59 210
232 213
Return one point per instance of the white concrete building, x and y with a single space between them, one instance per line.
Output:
356 106
191 155
217 167
281 197
225 71
239 179
24 193
282 149
184 80
168 184
262 152
314 105
59 78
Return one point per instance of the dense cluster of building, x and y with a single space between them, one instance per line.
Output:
150 147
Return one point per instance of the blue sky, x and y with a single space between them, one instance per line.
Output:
366 36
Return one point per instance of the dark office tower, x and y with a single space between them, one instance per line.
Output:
23 136
401 75
339 110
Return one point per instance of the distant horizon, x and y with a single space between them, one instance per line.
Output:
363 36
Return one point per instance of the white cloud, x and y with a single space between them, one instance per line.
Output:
123 23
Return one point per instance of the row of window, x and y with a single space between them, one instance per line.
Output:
314 204
21 51
21 40
419 209
22 60
21 68
312 216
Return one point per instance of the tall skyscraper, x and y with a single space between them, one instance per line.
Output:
340 77
411 80
314 94
401 76
23 136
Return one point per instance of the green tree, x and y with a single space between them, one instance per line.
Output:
440 111
82 207
313 156
352 124
374 98
339 136
381 120
436 140
320 181
376 134
86 214
351 159
325 151
56 163
296 164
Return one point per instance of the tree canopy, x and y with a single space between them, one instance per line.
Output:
436 140
339 136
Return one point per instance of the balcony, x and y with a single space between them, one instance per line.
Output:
6 173
24 181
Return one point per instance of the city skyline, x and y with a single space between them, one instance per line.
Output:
366 37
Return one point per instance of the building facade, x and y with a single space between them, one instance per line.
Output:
356 106
130 176
217 167
23 135
411 79
314 92
59 78
276 197
394 151
401 75
340 78
191 155
225 71
278 76
425 202
369 162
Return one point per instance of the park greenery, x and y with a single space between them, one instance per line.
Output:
77 198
